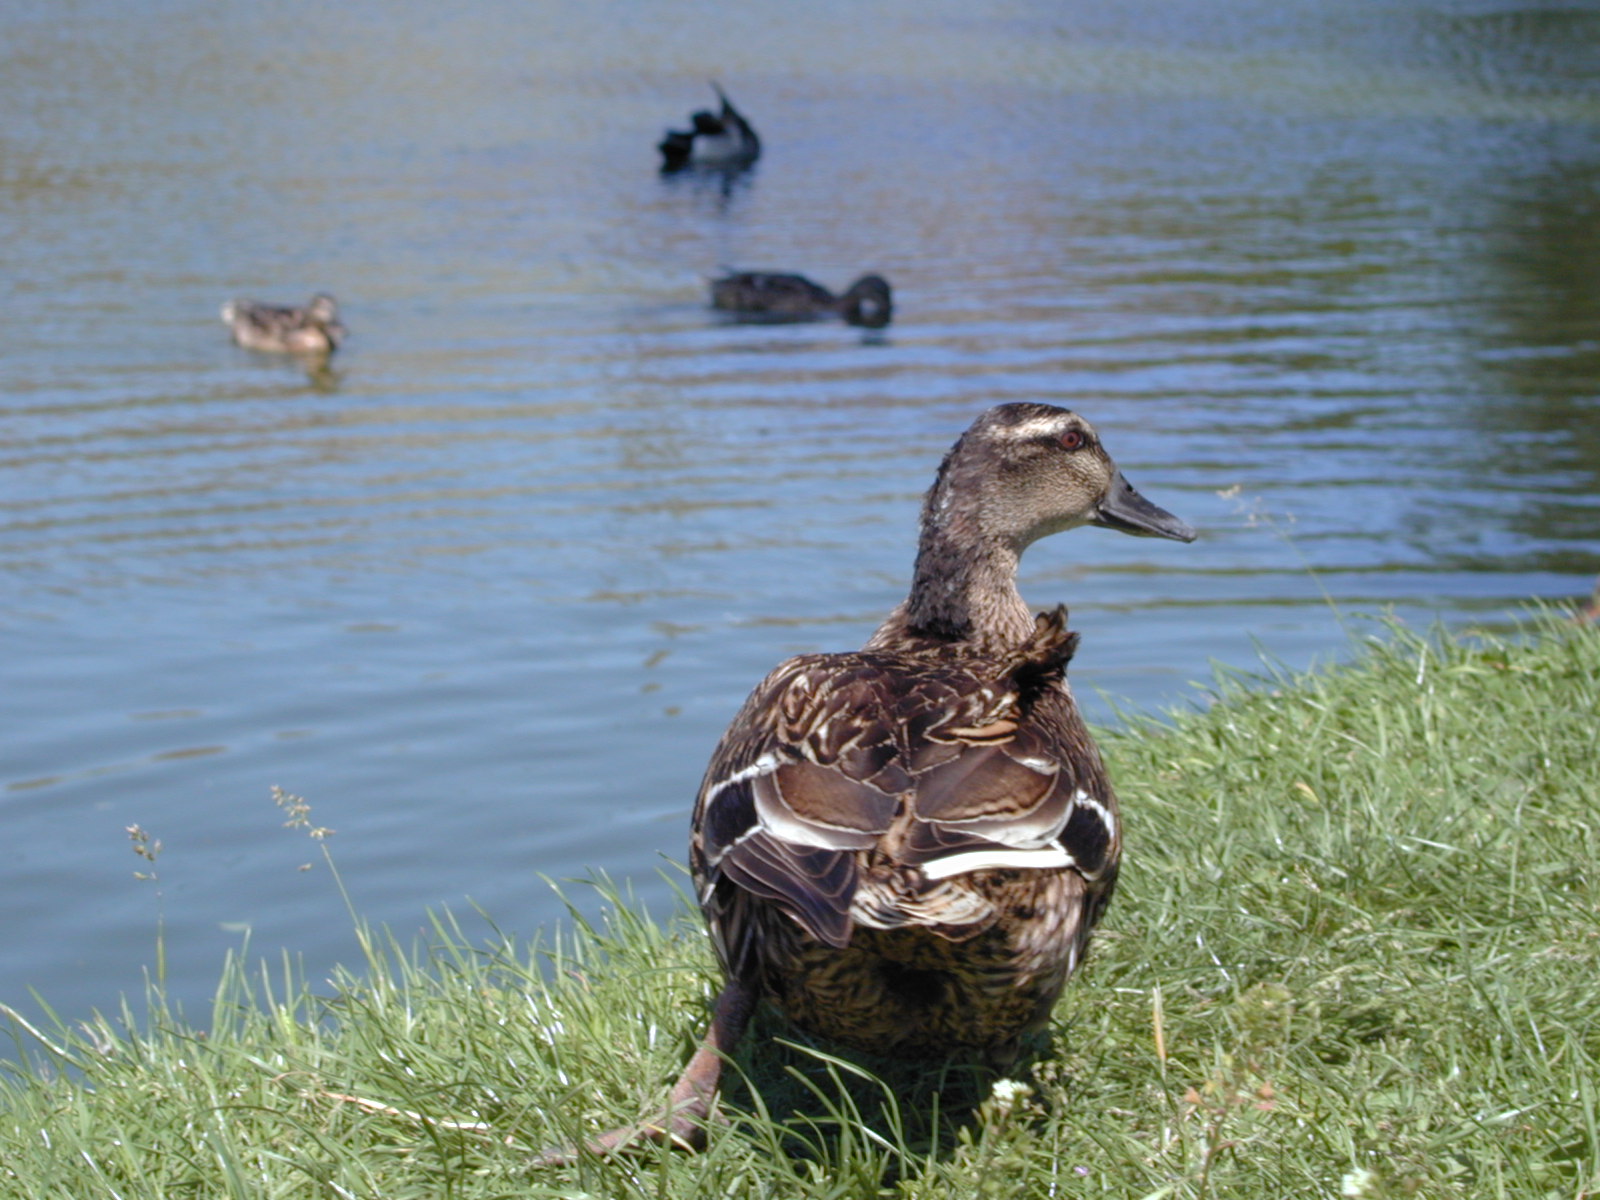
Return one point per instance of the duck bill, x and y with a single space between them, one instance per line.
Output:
1126 511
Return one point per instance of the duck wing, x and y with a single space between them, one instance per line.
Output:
867 788
261 318
770 291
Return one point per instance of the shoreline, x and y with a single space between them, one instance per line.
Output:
1355 951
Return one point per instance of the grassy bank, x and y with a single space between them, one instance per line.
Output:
1356 952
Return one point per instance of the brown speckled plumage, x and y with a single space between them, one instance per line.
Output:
313 331
904 848
844 779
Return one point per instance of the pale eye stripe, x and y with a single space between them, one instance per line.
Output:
982 860
1036 428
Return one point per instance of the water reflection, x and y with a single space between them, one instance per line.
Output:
1535 300
318 372
1523 49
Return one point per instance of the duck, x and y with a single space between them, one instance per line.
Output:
722 139
903 849
312 331
1589 614
777 296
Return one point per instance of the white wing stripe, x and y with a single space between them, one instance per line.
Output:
980 860
765 765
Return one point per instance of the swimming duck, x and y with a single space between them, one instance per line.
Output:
722 139
309 331
904 848
775 296
1590 612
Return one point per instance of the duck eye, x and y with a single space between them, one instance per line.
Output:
1072 439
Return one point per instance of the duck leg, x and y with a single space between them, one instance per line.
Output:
683 1122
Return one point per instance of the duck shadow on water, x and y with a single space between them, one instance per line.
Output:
827 1102
720 184
819 324
315 368
323 379
319 375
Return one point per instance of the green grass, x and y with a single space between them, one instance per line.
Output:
1356 951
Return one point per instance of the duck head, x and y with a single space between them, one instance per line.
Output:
1024 471
321 331
1019 473
322 310
868 302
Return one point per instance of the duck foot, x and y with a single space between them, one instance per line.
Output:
683 1122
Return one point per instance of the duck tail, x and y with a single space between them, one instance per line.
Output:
731 116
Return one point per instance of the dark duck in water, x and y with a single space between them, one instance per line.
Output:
780 297
904 848
723 139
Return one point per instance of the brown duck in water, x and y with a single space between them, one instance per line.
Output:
904 848
781 297
1590 612
309 332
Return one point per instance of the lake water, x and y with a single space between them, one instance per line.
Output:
1326 277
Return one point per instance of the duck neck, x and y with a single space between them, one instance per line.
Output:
964 589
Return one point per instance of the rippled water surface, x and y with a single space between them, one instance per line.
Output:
488 591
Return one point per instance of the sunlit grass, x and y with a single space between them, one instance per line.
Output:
1355 952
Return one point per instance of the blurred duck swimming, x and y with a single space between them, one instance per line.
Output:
309 331
779 297
722 139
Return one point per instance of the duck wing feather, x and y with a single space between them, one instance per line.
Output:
865 789
769 291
